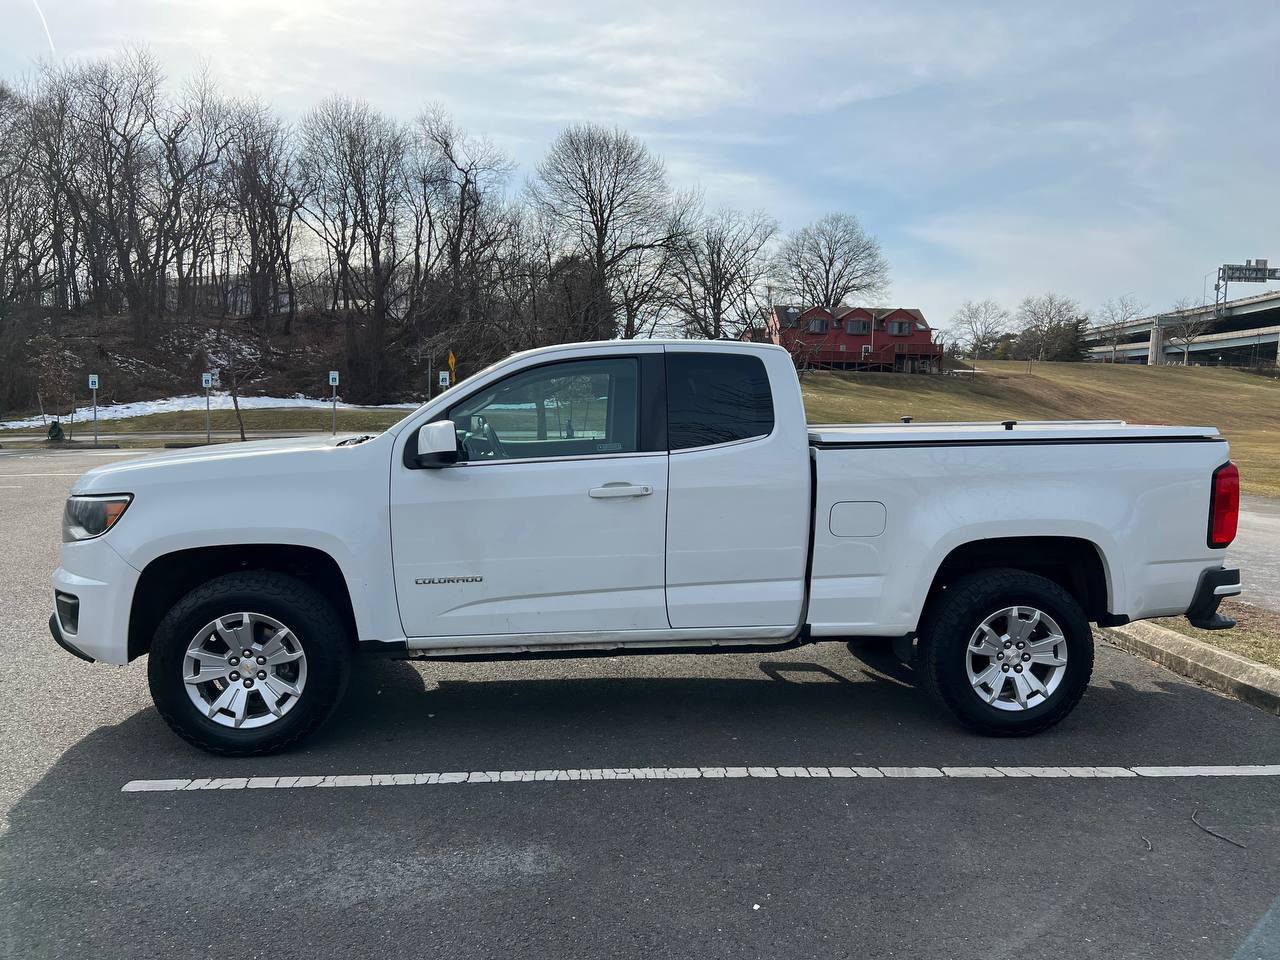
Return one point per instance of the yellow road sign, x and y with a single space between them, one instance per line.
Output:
453 363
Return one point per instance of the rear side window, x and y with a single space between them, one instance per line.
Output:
716 398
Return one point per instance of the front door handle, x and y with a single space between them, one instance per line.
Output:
620 489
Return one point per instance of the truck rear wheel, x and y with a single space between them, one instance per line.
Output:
1008 652
249 663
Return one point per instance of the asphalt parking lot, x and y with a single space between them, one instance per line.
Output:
782 865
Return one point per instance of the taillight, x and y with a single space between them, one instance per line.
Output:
1224 505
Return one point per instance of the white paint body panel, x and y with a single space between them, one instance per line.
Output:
738 520
717 553
1144 506
554 559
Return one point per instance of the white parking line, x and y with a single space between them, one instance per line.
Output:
687 773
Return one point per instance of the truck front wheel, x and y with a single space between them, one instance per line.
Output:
1008 652
249 663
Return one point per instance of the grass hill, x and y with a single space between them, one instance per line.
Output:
1245 407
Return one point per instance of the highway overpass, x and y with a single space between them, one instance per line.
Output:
1246 334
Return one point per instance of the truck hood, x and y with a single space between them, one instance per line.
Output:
222 460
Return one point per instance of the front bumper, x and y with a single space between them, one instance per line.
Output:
102 584
1213 587
55 628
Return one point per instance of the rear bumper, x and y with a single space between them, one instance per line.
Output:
1213 587
101 583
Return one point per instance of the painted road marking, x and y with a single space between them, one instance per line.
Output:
688 773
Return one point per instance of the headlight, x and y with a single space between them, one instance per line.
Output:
87 517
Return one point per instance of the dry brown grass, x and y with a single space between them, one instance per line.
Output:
1245 407
1256 634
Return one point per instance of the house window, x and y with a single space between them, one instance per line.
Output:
817 326
900 328
858 326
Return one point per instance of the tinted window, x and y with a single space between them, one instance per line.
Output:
572 409
715 398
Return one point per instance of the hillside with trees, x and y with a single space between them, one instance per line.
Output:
152 230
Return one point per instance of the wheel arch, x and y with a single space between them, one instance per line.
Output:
1077 565
167 578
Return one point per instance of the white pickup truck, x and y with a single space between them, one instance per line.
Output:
639 497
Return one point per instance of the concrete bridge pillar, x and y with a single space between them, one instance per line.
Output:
1155 351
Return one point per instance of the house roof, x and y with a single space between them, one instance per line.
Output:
781 310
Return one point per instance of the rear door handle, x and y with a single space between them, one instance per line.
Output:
620 489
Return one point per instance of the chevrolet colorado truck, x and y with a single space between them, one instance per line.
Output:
639 497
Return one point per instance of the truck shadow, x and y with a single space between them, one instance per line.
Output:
827 709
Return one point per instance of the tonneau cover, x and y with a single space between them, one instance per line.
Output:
1022 431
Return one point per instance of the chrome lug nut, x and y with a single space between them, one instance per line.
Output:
235 674
234 661
261 661
1021 644
999 656
1007 644
1026 657
1018 668
248 654
1005 668
262 674
248 681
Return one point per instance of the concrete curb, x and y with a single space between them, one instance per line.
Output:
1225 672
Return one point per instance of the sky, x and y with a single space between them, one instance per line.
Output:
995 149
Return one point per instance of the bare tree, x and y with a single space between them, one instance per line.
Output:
355 200
1051 328
720 274
1114 316
1187 321
261 175
460 221
608 199
977 327
830 262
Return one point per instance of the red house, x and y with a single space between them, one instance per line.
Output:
854 338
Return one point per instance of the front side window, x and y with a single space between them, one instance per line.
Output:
716 398
575 408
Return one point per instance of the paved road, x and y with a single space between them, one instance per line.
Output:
1257 550
746 867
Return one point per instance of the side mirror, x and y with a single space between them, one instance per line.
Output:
437 445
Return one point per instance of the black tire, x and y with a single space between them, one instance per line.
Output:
955 616
312 620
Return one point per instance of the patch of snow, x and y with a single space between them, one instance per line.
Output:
217 401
